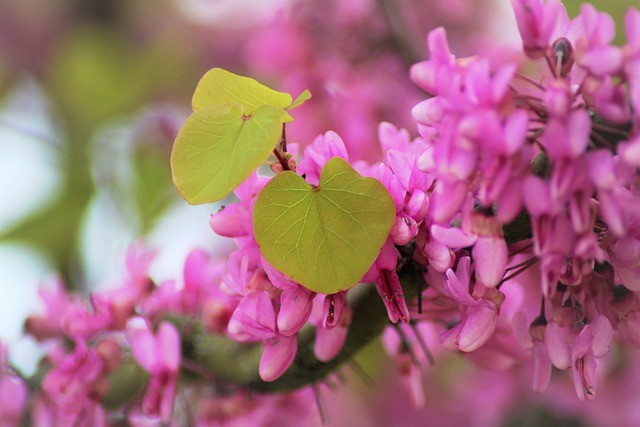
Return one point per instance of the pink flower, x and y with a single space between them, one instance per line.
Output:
489 251
201 278
537 22
479 311
332 307
431 75
578 348
137 262
567 139
626 307
295 308
13 393
159 354
591 343
295 301
593 51
57 304
235 220
330 340
77 382
625 256
316 155
531 337
383 273
277 356
254 318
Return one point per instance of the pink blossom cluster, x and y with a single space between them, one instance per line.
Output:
89 341
120 355
554 152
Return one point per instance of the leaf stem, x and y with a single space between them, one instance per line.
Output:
282 148
281 160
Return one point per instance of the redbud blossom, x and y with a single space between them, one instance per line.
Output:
480 315
159 354
13 393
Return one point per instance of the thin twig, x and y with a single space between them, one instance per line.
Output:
322 410
361 373
423 344
407 344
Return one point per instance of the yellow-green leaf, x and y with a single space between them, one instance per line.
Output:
301 99
219 146
219 86
323 237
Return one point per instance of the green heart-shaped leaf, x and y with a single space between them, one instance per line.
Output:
323 237
219 146
219 86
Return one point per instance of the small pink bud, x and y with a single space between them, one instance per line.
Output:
230 221
478 326
490 256
277 356
329 342
295 308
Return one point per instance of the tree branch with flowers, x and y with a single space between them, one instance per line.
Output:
510 226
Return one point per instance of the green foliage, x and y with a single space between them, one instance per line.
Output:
323 237
219 86
301 99
236 124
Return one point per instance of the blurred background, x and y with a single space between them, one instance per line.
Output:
93 92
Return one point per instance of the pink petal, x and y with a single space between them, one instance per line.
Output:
329 342
13 397
439 255
520 328
602 60
459 289
515 131
332 307
195 268
254 315
168 345
446 200
602 332
453 237
490 255
584 377
401 166
630 151
510 201
555 339
428 112
278 279
143 345
277 356
541 367
231 221
438 46
537 196
404 230
390 290
418 205
632 28
295 308
579 127
479 325
424 74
